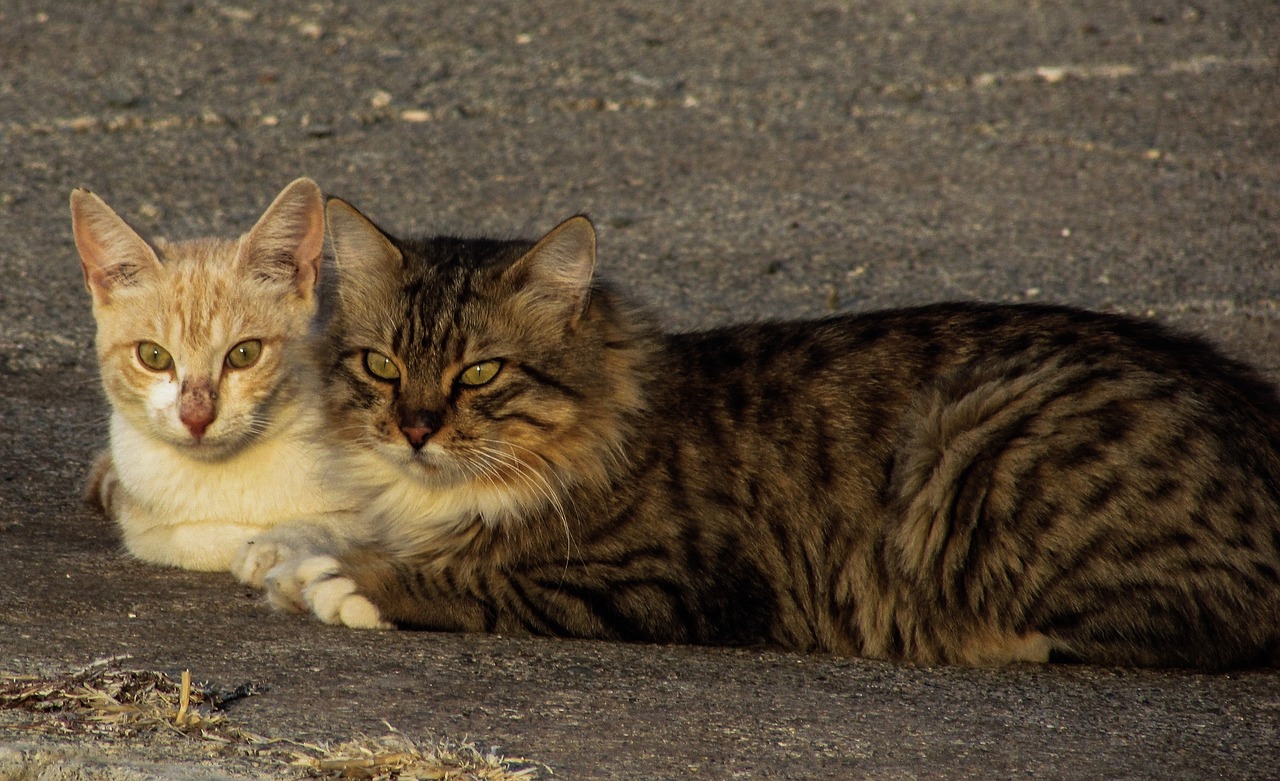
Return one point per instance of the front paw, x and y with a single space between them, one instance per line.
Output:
257 557
317 585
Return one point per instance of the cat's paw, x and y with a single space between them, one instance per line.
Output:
257 557
332 596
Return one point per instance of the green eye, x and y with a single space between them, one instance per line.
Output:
245 354
154 357
381 366
480 373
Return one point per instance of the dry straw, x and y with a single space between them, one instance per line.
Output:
112 703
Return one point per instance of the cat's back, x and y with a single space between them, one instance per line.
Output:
861 407
1039 468
893 354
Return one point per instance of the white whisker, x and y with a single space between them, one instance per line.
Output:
537 480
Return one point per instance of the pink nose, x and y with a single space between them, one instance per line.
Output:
198 420
418 426
417 435
197 406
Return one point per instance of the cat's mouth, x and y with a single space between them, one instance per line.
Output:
442 467
214 445
215 448
430 464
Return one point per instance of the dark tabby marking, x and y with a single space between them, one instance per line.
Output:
958 483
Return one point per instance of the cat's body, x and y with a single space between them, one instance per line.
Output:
206 354
959 483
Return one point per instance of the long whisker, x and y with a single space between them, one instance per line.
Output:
538 480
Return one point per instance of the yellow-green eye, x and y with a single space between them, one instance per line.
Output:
155 357
381 366
245 354
480 373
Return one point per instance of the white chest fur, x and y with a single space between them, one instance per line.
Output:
192 513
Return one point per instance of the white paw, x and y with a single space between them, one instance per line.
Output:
284 586
332 597
256 558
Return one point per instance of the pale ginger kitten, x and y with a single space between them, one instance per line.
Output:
206 358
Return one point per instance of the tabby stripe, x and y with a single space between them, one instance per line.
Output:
489 398
1100 496
537 620
481 592
958 562
524 417
545 379
1267 572
632 557
619 519
602 602
1069 571
808 576
408 579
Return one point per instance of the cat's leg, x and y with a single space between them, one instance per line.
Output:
101 483
155 538
1000 648
368 588
962 534
317 584
208 547
334 599
301 539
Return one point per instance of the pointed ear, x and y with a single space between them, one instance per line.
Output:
112 255
556 274
361 251
287 243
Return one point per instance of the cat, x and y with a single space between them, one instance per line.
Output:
959 483
205 354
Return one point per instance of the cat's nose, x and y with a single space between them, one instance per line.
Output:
417 435
418 428
198 420
197 406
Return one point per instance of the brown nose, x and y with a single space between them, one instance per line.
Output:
197 406
418 427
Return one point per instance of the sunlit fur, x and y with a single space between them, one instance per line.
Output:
959 483
504 448
182 499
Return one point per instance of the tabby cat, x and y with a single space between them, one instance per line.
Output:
958 483
207 363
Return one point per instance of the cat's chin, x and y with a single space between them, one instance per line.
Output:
217 448
204 450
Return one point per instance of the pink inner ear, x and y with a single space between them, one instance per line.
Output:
311 250
111 253
290 233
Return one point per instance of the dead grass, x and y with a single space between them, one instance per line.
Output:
115 705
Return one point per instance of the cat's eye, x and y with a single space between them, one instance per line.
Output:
480 373
154 357
245 354
381 366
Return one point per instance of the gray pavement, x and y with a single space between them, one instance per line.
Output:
742 160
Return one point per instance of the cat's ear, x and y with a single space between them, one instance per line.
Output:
555 276
361 251
112 255
287 243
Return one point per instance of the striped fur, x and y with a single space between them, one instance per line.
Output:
958 483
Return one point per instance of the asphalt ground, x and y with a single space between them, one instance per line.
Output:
741 160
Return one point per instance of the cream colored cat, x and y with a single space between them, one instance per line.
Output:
206 358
